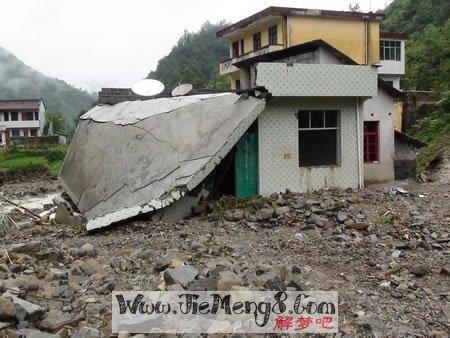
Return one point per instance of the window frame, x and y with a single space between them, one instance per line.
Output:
371 134
14 116
273 35
235 49
257 41
241 46
337 128
15 136
390 50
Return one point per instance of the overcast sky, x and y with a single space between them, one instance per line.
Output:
112 43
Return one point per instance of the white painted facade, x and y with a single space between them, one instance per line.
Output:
381 108
278 146
392 70
21 128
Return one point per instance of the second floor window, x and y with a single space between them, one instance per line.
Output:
14 116
257 41
390 50
235 49
6 116
273 35
27 116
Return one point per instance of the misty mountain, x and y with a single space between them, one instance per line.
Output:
19 81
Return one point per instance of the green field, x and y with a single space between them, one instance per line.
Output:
22 159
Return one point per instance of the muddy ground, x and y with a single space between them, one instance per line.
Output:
385 250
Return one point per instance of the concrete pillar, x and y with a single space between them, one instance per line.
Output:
245 78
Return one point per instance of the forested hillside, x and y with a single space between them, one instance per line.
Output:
427 47
19 81
195 59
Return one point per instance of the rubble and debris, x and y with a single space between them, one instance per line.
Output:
150 154
387 269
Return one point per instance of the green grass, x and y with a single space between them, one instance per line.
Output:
29 163
18 159
23 163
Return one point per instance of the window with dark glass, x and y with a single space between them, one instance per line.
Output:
27 116
390 50
273 35
318 137
257 41
36 115
15 133
6 116
235 49
371 142
242 46
14 116
33 132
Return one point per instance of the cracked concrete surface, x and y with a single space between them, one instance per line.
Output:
140 156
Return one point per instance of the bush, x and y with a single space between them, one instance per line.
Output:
14 151
55 154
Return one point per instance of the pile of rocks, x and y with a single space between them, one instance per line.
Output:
386 252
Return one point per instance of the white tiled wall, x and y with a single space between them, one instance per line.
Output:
278 147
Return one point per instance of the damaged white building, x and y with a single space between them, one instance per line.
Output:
299 126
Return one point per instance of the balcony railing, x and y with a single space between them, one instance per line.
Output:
19 124
226 66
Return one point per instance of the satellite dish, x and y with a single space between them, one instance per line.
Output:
182 89
147 87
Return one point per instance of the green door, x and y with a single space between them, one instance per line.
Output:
246 164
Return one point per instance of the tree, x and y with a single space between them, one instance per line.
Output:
58 121
195 59
428 59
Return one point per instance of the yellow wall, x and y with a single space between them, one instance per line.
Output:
343 34
398 115
264 29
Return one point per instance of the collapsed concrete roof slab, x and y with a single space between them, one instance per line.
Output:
140 156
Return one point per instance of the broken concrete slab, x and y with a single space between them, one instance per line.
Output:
129 159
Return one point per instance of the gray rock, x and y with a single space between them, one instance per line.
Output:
265 213
420 270
276 284
228 280
341 216
396 294
282 210
164 261
199 242
234 215
55 320
204 284
87 332
26 247
7 310
89 250
25 310
144 253
182 275
311 202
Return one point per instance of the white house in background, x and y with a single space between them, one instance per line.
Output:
21 119
392 57
377 114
